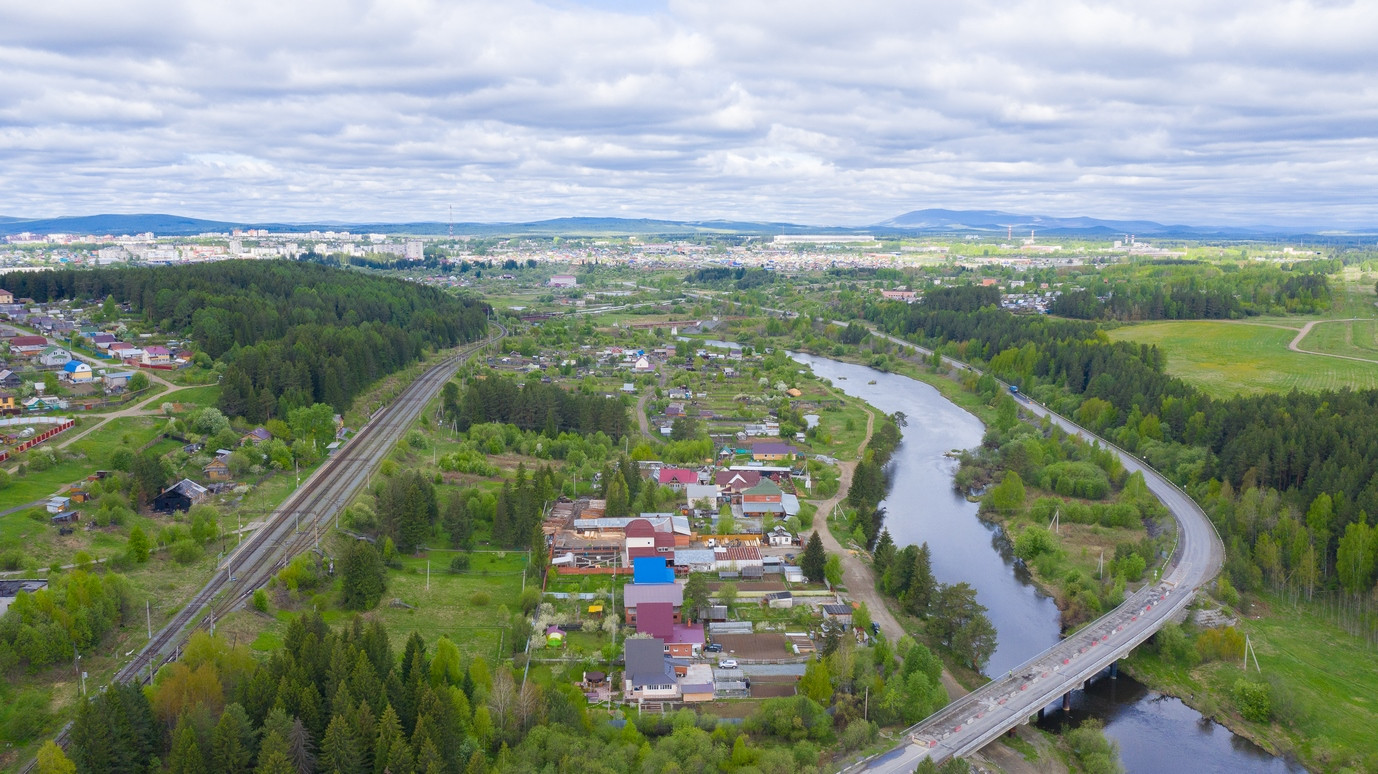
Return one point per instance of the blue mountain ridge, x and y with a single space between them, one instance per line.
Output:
925 221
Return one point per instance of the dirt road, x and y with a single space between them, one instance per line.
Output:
857 576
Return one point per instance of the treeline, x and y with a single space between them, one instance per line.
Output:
1301 445
952 617
292 333
75 611
740 278
870 480
1194 290
342 701
533 405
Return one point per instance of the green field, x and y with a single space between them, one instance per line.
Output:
1351 338
1324 690
1225 358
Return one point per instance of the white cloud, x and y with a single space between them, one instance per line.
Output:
811 111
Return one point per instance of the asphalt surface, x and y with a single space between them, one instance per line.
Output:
969 723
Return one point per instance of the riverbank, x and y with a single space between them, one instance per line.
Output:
1311 667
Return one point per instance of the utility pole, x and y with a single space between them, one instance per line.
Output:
428 575
1056 524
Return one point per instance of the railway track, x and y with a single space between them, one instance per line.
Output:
294 527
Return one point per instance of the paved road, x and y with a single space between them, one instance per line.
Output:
971 722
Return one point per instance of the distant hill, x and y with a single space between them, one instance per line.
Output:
937 221
172 225
927 221
176 225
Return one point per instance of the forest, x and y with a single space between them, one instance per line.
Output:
290 333
1314 452
533 405
1193 290
341 700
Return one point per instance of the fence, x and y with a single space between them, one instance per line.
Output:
62 423
591 570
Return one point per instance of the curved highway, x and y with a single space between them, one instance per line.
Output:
969 723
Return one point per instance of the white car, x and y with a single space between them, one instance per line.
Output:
728 663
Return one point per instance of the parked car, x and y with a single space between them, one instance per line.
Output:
728 663
715 647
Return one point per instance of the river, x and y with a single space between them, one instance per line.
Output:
1154 732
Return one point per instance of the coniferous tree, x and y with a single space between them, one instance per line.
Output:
918 597
186 757
814 559
363 576
618 503
232 742
301 748
339 748
884 554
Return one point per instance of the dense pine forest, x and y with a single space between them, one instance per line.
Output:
1192 290
290 333
1291 480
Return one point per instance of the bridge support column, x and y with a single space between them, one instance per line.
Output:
1114 669
1067 702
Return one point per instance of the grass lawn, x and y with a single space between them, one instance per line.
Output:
92 453
1223 358
206 395
1328 686
452 605
1352 338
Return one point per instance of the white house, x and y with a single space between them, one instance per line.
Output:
54 356
563 281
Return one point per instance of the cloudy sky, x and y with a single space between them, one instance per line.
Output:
813 112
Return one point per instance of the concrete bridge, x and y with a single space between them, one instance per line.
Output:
969 723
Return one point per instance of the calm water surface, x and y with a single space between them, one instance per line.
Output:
1155 733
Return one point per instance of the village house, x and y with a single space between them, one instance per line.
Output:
9 379
27 346
255 436
76 372
124 351
217 469
773 452
779 536
156 356
8 404
634 594
649 675
658 619
180 496
6 297
677 478
53 356
117 381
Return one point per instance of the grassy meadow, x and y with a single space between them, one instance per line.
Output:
1226 358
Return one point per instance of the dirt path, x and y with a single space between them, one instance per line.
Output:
641 408
858 576
1295 343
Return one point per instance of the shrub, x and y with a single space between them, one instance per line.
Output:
1225 644
1253 700
480 599
1032 542
459 564
186 551
261 600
